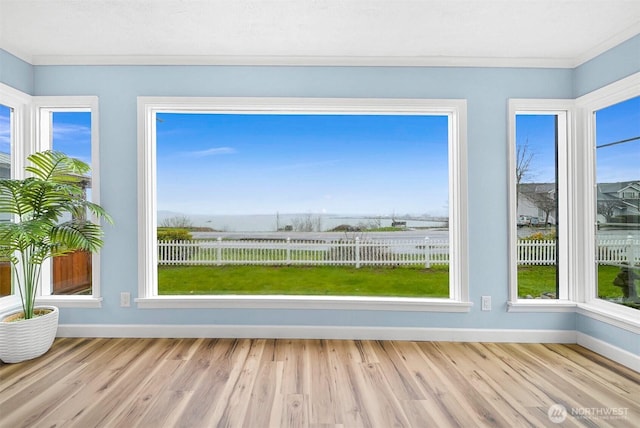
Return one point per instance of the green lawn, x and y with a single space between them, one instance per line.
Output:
300 280
535 280
347 281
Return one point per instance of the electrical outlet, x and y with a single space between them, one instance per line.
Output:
125 299
486 303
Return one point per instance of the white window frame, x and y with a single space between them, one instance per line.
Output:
20 103
456 110
564 111
588 303
42 107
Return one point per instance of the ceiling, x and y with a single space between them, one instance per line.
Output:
538 33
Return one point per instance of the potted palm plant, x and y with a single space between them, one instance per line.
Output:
51 217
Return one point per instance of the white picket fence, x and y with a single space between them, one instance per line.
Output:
363 252
356 252
608 251
537 252
618 251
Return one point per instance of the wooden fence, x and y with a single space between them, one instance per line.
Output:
71 274
363 252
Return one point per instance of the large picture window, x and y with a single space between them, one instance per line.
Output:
347 198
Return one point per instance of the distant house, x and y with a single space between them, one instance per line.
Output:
618 201
536 203
5 165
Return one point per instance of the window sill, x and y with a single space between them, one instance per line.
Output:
541 305
611 313
71 301
9 304
304 302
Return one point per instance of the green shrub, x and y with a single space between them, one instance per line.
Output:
173 234
540 236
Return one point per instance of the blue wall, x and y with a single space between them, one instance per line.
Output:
613 65
16 73
486 89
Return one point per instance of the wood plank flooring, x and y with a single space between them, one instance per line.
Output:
258 383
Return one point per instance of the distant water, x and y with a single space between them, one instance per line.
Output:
273 222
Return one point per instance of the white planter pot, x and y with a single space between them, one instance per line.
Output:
28 339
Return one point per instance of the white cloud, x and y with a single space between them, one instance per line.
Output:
214 151
68 131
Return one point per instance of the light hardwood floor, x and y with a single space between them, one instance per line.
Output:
314 383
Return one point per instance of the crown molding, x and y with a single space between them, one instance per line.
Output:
610 43
295 61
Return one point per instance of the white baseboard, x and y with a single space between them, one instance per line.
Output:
362 333
318 332
605 349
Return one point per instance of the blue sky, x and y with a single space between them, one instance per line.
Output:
620 162
614 163
72 134
5 137
537 132
263 164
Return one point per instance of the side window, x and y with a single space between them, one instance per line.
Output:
71 134
6 143
617 237
538 203
68 125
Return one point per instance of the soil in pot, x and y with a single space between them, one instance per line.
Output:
19 316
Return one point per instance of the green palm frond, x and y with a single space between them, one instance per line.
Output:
11 200
57 167
74 235
51 218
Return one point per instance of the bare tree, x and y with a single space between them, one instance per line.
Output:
607 209
307 223
544 201
523 161
178 222
375 222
